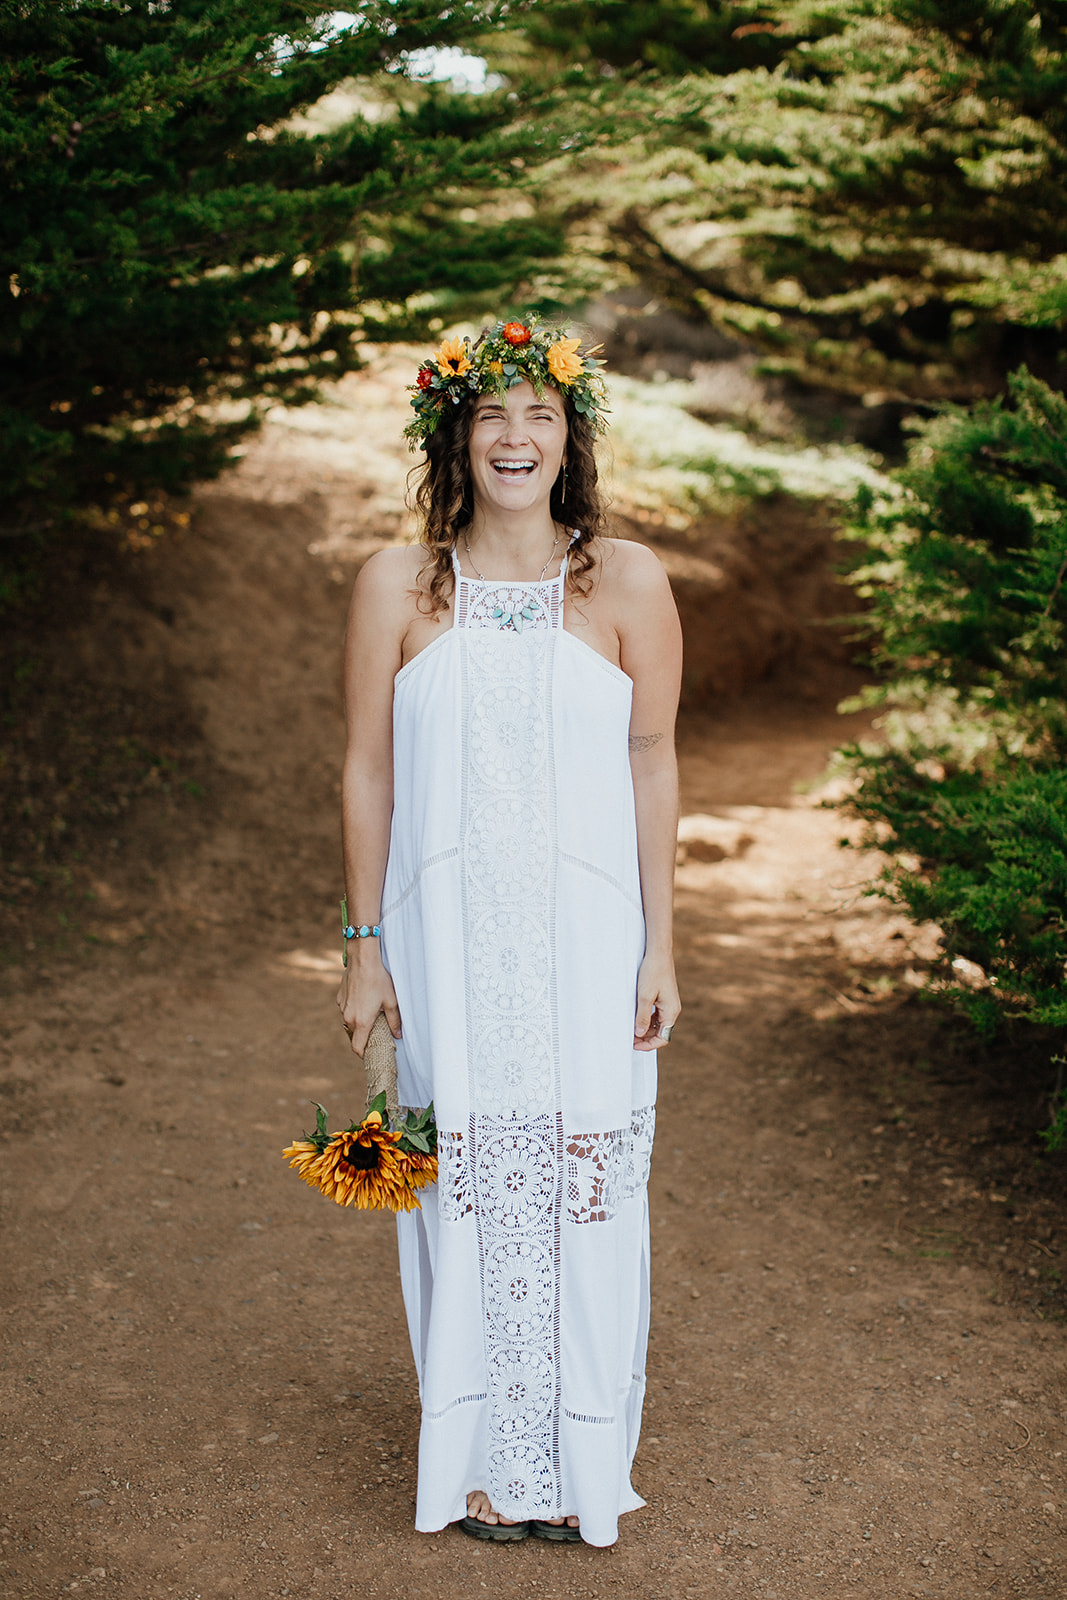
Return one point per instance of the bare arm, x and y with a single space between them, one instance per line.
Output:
650 640
376 624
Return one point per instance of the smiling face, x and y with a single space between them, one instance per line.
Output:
517 447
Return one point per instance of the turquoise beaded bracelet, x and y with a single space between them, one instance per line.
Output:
367 931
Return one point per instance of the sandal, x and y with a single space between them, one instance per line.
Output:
561 1532
497 1532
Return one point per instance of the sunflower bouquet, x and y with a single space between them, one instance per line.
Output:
370 1164
506 353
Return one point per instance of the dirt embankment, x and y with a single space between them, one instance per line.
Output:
760 602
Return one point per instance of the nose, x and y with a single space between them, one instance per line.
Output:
514 432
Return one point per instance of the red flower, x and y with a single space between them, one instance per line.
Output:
515 333
425 378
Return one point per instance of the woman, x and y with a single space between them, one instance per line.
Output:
510 810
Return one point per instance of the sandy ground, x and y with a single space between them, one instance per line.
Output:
856 1365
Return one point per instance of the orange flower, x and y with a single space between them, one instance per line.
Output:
563 364
361 1168
515 333
452 360
496 367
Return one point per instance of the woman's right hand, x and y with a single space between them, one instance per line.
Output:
366 988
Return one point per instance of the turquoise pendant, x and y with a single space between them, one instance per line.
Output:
515 619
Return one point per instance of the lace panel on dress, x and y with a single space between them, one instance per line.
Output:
514 606
453 1177
604 1170
514 1148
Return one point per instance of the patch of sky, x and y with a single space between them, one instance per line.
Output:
667 460
326 32
450 64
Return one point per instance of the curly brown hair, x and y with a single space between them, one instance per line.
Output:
444 500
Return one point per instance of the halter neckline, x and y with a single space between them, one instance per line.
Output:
517 583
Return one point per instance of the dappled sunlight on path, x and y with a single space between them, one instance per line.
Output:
213 1393
208 1394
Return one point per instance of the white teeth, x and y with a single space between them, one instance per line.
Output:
513 466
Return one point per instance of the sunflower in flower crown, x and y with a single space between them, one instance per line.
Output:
452 360
369 1165
503 355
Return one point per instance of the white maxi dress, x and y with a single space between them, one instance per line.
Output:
513 930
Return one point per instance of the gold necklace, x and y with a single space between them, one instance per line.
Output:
483 577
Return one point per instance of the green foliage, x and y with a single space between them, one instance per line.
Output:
180 249
418 1131
881 206
964 576
966 582
417 1127
991 870
1055 1135
672 463
670 37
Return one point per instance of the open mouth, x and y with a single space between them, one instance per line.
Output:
513 469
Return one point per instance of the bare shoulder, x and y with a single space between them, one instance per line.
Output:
388 576
627 566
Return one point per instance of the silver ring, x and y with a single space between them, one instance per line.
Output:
665 1033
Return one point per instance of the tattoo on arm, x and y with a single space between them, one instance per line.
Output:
643 741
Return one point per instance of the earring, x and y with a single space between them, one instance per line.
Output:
563 491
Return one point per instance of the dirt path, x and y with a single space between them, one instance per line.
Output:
856 1366
207 1390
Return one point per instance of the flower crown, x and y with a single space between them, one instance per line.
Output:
501 357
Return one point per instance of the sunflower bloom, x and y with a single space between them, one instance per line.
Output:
563 364
452 360
361 1167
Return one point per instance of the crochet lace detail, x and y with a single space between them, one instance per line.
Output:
604 1170
515 607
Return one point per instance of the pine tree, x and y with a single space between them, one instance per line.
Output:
666 36
964 576
177 251
881 208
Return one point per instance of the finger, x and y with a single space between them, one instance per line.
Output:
392 1016
359 1033
659 1031
651 1041
646 1005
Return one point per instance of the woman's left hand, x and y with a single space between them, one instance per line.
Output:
658 1004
